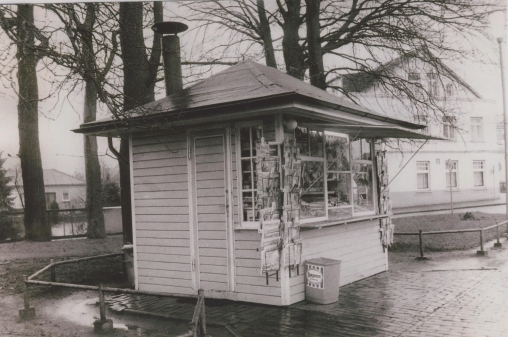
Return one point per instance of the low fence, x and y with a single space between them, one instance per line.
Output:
477 230
198 319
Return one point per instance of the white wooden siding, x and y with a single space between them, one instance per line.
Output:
162 213
357 245
250 283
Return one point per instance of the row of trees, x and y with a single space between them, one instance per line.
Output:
102 47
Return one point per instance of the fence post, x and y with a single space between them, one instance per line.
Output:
481 252
202 318
26 312
498 243
53 271
72 222
420 238
102 325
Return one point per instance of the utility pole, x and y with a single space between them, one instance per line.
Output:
505 118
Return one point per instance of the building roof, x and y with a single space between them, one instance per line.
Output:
53 177
246 82
361 81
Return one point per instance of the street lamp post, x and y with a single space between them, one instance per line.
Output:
505 119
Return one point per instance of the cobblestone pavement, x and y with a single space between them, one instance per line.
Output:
465 303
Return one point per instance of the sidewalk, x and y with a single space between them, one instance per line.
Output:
446 206
431 299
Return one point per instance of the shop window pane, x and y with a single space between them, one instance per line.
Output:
316 143
249 137
339 189
302 141
312 201
337 153
363 197
360 150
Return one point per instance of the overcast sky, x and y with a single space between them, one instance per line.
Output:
63 150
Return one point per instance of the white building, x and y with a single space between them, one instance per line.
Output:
421 175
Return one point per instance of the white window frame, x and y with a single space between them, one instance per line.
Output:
433 85
476 128
448 127
238 126
449 90
420 171
479 169
68 196
454 170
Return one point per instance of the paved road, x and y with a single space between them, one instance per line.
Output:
455 298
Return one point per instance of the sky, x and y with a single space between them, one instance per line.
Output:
62 149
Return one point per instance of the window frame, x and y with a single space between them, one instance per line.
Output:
433 85
482 170
419 171
456 171
448 124
476 129
68 196
250 124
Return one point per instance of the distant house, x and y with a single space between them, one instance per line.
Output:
66 190
469 163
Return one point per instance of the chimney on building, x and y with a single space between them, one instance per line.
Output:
171 54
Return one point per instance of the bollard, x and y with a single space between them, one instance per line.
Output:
481 252
420 238
102 325
498 243
26 312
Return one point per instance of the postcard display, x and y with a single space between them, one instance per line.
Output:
279 209
385 206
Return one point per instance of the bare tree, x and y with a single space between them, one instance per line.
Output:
19 26
348 37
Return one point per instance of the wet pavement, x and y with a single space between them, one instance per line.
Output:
457 297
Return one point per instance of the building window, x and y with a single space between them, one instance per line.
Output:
433 84
249 137
451 173
449 127
65 196
311 147
414 82
50 198
476 128
422 175
478 173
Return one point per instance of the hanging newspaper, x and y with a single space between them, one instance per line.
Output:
270 259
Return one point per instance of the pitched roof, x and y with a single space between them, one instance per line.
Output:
244 82
361 81
53 177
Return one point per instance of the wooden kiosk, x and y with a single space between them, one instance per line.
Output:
252 173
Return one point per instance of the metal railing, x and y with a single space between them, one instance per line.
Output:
198 319
479 230
70 222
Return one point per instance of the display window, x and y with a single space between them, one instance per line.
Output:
362 173
249 136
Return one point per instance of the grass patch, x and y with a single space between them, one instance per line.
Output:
445 242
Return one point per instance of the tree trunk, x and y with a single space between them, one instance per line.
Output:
266 35
36 223
315 51
94 213
95 216
294 56
139 82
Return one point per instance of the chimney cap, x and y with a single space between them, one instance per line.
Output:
169 27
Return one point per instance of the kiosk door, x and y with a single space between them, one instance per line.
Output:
211 210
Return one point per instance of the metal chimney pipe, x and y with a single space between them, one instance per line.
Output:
171 54
172 64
